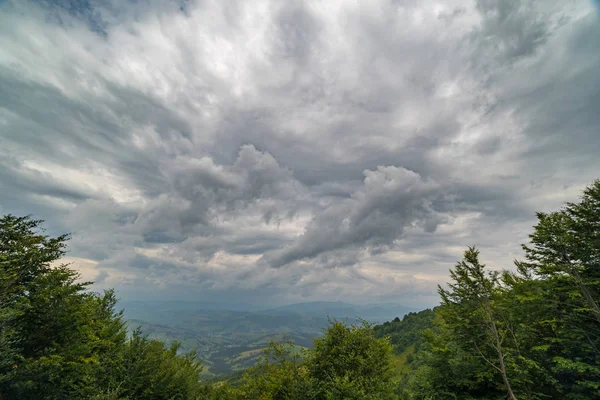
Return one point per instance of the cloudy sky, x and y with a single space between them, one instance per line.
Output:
282 151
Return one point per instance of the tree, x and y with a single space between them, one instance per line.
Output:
565 245
562 270
25 256
444 369
350 362
406 333
58 340
280 375
154 371
469 309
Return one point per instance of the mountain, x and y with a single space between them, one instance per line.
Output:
406 336
229 340
338 309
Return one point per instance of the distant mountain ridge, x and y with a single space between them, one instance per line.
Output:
228 337
339 309
375 312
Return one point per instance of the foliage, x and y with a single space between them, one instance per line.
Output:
60 341
562 272
479 326
533 333
348 362
280 375
154 371
529 334
351 362
406 332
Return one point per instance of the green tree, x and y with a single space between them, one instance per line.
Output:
469 308
565 245
406 332
24 255
58 340
537 328
562 271
280 375
350 362
154 371
445 370
61 336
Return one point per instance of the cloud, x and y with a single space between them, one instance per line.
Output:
280 151
390 199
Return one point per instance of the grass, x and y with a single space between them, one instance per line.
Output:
400 362
247 354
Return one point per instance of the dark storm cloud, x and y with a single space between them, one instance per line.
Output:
392 198
296 149
16 178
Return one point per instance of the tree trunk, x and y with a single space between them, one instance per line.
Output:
498 347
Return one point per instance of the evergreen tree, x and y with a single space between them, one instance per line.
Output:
58 340
445 370
154 371
563 262
469 308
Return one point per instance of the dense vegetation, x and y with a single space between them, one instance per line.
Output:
531 333
407 334
229 338
59 341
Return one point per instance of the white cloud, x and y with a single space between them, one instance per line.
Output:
355 146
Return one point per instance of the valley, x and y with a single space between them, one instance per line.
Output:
228 341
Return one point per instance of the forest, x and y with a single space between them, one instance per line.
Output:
531 331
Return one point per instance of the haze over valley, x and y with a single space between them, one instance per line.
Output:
230 338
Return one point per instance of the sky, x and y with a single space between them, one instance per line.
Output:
270 152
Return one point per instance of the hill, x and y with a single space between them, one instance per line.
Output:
228 341
406 336
338 309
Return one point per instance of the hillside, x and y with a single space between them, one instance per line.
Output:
408 331
221 351
228 341
406 336
338 309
